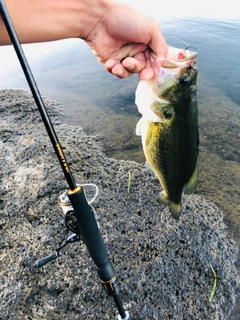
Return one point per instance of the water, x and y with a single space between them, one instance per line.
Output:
68 72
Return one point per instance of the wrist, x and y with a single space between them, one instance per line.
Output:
90 14
48 20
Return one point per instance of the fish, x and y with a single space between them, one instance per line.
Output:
169 124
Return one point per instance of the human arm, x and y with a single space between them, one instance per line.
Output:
119 36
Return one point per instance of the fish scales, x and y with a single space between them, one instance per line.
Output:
175 140
169 126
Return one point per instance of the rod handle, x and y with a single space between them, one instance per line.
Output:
89 230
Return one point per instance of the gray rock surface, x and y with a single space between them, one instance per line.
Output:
163 266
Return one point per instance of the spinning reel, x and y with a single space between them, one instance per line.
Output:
70 223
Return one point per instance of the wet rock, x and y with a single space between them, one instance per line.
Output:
163 266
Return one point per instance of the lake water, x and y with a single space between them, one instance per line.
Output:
67 71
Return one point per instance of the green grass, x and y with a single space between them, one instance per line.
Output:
214 285
129 182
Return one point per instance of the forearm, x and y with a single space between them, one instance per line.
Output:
48 20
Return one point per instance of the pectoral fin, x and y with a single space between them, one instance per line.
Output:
192 184
139 127
149 132
144 128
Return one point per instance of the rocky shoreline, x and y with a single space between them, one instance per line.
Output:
163 266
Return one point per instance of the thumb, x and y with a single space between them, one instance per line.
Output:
158 43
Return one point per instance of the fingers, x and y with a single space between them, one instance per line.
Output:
128 50
140 64
134 58
115 67
127 60
147 73
158 43
127 67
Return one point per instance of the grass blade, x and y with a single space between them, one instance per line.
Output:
214 285
129 182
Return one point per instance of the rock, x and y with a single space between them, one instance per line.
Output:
163 266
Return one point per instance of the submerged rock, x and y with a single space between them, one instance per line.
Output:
163 266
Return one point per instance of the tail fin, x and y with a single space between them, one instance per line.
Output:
174 208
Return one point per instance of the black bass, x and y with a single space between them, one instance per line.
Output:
169 124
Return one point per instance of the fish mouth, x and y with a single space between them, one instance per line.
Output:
177 70
176 58
180 65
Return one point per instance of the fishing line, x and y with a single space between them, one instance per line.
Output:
64 199
90 185
187 44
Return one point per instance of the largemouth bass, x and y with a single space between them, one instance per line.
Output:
169 124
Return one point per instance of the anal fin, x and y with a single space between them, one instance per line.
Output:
139 127
163 199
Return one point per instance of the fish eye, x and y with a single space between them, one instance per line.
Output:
184 81
167 114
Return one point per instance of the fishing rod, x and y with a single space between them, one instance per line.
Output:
80 216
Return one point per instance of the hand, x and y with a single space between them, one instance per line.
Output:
119 36
123 39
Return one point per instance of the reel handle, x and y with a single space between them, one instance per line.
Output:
41 262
